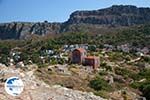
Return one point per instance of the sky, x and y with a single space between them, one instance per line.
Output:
54 10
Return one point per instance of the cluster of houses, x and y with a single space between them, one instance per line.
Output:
15 57
79 56
70 48
78 53
108 48
126 48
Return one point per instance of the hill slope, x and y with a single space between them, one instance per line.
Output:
115 16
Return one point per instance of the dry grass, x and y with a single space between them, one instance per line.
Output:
69 81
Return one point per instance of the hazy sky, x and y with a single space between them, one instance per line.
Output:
54 10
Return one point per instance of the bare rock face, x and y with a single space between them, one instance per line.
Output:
115 15
35 89
112 17
21 30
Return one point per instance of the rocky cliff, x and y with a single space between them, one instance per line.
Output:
115 15
21 30
112 17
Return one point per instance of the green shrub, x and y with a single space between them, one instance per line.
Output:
135 85
104 65
126 73
144 87
99 84
4 59
102 73
145 73
146 59
146 91
53 61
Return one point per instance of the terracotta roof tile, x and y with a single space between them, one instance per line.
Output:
81 49
91 57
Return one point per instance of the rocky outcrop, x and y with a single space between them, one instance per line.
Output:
111 17
35 89
21 30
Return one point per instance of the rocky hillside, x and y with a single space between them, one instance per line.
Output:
112 17
22 30
35 89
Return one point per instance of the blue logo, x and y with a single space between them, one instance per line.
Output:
14 86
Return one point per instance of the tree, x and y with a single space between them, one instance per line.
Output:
92 48
4 49
24 57
146 91
4 59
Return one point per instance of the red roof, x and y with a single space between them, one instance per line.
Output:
81 49
91 57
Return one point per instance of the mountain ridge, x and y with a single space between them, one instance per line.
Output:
114 16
